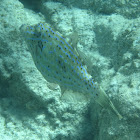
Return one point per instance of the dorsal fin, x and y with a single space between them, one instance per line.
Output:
85 60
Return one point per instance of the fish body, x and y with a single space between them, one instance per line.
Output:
60 63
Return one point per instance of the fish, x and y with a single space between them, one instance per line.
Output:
60 63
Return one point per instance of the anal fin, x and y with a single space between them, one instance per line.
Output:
63 89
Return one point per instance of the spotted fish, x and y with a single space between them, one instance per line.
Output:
60 63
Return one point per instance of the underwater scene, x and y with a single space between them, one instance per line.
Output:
69 69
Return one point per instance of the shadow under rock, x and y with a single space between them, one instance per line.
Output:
32 4
113 49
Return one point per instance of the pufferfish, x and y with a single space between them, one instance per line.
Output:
60 63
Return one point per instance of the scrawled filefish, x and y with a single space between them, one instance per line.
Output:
59 62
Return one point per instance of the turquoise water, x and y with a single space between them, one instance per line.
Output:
107 36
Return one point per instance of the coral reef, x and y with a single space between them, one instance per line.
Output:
32 108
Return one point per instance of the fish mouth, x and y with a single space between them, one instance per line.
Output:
22 27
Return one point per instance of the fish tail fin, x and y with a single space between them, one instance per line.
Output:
104 101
